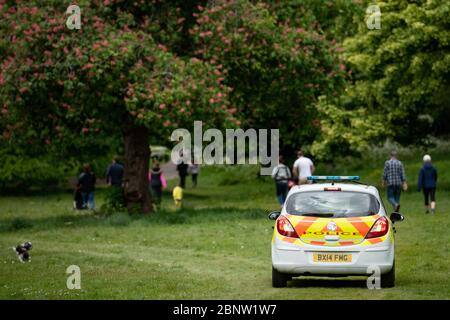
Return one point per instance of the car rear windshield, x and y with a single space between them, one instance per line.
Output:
336 204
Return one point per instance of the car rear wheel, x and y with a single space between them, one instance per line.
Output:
279 280
388 279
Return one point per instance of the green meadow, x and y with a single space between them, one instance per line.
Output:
217 247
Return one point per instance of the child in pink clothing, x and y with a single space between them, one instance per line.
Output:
157 182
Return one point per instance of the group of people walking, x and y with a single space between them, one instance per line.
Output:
158 181
184 169
84 197
303 168
84 190
394 179
85 186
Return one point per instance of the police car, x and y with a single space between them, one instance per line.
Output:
333 227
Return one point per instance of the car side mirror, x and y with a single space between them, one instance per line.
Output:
396 217
274 215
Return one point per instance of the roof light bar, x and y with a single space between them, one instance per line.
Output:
334 178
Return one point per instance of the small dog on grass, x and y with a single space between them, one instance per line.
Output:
22 251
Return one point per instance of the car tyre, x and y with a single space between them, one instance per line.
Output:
388 279
279 280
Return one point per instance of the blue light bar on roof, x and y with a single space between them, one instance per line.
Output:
334 178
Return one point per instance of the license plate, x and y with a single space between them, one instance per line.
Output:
332 257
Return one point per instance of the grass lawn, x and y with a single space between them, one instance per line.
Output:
216 248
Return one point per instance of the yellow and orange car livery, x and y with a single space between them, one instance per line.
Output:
332 229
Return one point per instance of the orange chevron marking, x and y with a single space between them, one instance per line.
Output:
303 225
361 226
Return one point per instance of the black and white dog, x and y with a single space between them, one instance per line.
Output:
22 251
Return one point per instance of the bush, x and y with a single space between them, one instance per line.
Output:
114 201
20 171
234 174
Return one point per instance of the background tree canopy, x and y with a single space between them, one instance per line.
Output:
137 70
400 81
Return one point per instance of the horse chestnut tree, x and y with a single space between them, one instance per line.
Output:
110 77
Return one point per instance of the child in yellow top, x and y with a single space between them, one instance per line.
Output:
178 196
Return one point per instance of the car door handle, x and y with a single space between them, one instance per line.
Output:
332 238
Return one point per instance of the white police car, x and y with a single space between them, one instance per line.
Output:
333 229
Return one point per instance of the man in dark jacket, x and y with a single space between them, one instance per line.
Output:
114 173
86 182
427 182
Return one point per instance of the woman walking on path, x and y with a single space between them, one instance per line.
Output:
157 183
281 174
427 182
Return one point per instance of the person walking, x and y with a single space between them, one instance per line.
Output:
194 170
428 182
86 183
303 168
281 174
157 182
182 168
114 173
394 178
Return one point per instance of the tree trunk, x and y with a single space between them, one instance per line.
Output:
137 156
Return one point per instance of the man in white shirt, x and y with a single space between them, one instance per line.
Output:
303 167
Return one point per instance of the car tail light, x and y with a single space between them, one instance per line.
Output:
285 228
379 229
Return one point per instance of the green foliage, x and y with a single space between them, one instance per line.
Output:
161 65
346 132
22 171
233 175
400 74
86 85
337 19
400 79
261 64
27 168
276 69
113 201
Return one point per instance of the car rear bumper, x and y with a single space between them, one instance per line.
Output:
290 258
